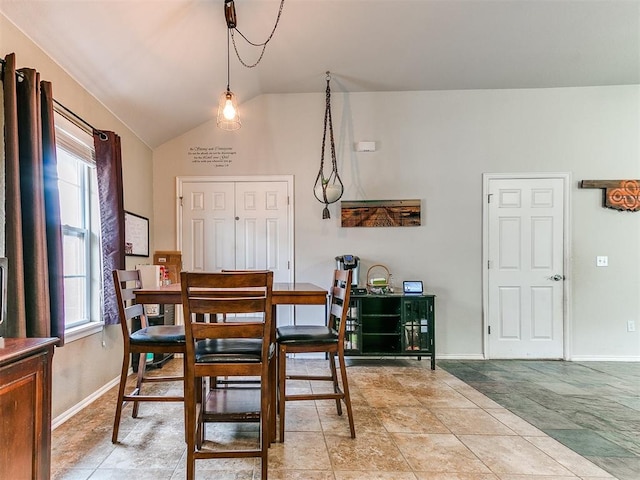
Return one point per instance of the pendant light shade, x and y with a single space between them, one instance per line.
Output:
228 117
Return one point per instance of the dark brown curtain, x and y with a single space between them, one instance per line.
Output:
110 194
33 230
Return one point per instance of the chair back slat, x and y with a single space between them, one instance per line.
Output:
339 292
201 330
227 305
133 311
336 310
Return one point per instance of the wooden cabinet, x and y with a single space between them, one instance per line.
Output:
25 403
396 325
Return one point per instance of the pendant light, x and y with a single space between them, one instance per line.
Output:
228 116
328 189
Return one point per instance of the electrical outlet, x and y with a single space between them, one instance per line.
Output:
631 326
602 261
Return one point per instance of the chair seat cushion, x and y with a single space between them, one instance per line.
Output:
230 350
302 334
159 335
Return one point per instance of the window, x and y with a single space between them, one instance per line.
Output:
79 213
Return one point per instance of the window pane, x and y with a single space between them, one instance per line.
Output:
74 255
74 301
70 185
67 170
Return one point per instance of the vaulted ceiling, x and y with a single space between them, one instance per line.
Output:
159 65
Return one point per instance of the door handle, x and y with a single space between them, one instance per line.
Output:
557 277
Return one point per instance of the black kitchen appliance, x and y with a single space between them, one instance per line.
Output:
350 262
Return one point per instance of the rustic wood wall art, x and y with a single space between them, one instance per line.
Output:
380 213
618 194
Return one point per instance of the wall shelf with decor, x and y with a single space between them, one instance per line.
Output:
391 325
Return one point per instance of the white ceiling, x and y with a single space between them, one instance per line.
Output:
159 65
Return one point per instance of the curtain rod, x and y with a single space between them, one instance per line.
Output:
90 128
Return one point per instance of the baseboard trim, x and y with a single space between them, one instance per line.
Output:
63 417
454 356
603 358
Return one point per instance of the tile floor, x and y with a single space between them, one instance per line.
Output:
591 407
412 423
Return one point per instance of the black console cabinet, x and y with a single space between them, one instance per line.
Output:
391 325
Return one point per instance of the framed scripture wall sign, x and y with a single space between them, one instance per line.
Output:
136 235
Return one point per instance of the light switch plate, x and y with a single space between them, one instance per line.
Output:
602 261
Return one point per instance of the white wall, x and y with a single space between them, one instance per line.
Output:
84 366
435 146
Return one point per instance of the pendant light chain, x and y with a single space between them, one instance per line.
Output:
228 62
333 180
263 44
328 120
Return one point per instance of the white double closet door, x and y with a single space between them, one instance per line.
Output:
237 223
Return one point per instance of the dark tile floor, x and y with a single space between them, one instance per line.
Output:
591 407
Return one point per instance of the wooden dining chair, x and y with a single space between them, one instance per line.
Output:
327 339
240 346
149 339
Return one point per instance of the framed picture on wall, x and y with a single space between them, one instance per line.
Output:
136 235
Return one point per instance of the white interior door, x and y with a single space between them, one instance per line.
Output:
525 245
208 226
261 227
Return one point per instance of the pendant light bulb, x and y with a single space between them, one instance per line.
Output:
228 116
229 110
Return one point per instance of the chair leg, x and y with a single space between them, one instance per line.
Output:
334 378
200 390
282 380
190 426
142 364
347 395
121 389
273 396
265 425
191 465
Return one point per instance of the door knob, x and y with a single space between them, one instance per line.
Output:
557 277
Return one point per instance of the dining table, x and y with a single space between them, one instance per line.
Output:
283 293
295 293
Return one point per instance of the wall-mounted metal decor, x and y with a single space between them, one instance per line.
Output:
380 213
618 194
